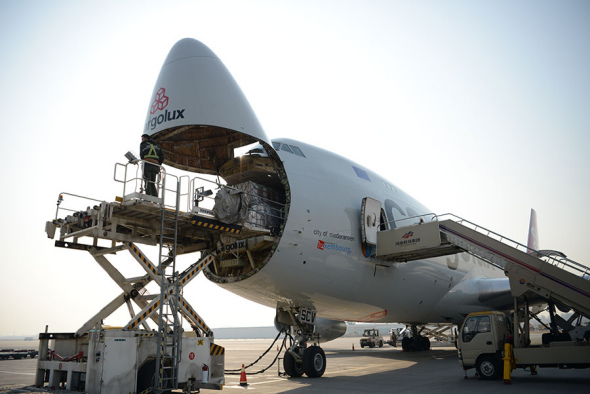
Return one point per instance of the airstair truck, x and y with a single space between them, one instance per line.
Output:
536 277
487 343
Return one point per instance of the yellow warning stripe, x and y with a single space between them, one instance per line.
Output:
143 258
151 334
215 225
195 316
216 350
189 275
143 316
195 270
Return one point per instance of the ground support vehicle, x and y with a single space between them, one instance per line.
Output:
490 343
136 357
535 277
371 338
17 354
116 360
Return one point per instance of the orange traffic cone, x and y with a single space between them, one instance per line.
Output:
243 381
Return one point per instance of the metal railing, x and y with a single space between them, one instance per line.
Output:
197 194
553 258
134 183
60 200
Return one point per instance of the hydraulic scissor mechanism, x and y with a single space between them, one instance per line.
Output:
300 358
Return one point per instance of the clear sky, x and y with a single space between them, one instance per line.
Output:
479 108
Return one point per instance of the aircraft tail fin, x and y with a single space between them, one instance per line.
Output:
533 240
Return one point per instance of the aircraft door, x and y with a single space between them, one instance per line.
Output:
370 220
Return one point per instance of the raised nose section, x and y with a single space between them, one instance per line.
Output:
198 112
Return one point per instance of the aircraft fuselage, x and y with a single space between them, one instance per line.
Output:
320 261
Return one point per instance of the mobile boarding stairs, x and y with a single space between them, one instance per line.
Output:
530 272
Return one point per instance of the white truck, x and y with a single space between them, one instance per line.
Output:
371 338
487 343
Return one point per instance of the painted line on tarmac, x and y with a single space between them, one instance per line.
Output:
17 373
370 366
256 384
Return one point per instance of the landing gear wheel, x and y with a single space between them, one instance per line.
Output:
314 362
424 343
487 367
293 368
407 343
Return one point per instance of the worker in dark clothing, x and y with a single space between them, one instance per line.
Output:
150 151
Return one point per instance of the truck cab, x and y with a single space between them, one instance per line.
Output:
481 342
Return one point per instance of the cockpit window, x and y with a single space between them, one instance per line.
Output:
288 148
297 151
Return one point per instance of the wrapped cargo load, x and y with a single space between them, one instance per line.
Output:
251 205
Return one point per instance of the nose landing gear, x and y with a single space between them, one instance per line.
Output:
299 358
314 361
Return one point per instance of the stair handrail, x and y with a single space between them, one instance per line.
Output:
561 262
418 217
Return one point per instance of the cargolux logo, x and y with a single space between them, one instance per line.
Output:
160 101
408 235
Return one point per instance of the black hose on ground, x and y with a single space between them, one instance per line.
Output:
239 370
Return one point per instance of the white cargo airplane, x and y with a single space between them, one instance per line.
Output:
309 259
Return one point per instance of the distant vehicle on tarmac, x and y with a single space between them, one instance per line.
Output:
17 354
371 338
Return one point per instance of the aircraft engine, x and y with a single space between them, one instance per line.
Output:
328 329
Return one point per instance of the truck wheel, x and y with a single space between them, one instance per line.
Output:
293 368
487 367
380 343
314 362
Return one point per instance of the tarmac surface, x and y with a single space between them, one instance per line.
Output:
378 370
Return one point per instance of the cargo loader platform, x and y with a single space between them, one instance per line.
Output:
233 233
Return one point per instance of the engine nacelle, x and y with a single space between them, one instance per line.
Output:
326 328
329 329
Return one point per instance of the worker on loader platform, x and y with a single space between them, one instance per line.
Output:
150 151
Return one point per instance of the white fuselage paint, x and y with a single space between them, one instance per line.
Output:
319 262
